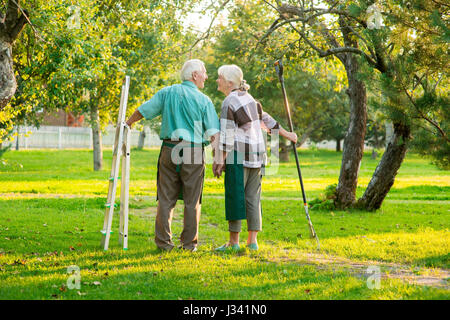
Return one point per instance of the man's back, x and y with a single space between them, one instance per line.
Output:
186 113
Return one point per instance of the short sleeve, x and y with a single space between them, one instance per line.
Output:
153 107
211 123
268 121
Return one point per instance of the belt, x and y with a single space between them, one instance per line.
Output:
165 143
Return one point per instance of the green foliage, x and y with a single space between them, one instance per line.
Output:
325 201
314 87
3 150
80 53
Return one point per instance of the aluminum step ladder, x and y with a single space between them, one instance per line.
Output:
121 151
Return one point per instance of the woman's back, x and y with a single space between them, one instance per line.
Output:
240 122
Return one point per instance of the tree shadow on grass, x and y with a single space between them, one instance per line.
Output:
222 278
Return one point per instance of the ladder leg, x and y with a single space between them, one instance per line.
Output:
109 200
109 213
124 197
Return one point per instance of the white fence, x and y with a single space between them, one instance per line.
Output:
52 137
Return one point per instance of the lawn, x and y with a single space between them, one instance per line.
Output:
52 208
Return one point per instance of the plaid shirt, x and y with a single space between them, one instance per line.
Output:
240 128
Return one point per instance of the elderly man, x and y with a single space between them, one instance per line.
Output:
189 122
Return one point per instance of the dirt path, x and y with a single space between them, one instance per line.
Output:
432 277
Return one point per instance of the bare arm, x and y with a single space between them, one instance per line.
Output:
136 116
272 124
291 136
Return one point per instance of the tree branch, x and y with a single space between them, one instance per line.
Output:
207 32
15 20
423 116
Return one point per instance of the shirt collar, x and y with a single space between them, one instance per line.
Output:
189 84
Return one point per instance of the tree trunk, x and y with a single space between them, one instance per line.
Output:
384 175
11 25
354 139
141 140
338 145
284 152
8 83
96 138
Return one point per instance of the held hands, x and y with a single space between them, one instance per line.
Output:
218 168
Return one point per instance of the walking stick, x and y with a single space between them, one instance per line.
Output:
279 69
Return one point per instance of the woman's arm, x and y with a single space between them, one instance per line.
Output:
291 136
272 125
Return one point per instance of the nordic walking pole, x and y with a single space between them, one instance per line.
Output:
279 69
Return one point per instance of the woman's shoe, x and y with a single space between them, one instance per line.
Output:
228 247
253 246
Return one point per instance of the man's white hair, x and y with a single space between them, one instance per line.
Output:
190 67
235 75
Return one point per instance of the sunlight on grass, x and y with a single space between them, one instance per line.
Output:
52 208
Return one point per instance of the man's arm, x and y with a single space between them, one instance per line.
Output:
136 116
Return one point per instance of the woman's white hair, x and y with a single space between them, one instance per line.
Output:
190 67
234 74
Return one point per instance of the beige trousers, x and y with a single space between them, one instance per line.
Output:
189 180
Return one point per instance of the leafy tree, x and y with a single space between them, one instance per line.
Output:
396 46
310 83
86 51
334 120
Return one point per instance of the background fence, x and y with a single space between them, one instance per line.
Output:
53 137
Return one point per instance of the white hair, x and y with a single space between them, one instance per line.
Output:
190 67
235 75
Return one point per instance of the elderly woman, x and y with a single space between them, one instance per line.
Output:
242 145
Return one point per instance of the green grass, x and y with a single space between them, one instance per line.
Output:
52 207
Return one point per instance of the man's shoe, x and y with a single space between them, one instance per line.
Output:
228 247
193 249
253 246
164 249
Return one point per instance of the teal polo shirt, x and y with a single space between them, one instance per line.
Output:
187 114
